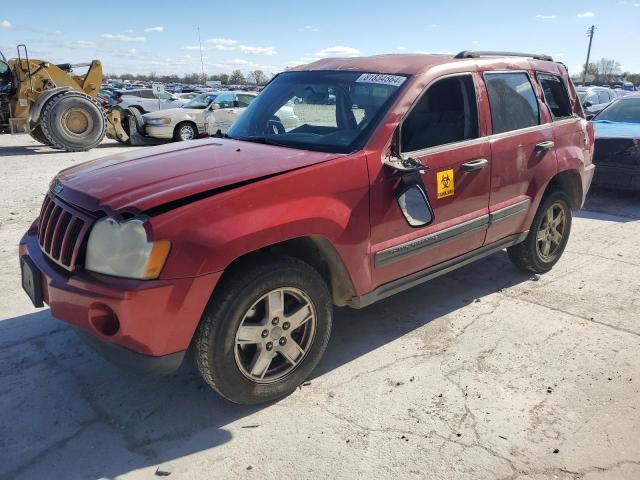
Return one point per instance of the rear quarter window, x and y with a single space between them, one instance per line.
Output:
513 103
555 96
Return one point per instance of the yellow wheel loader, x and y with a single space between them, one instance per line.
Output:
58 108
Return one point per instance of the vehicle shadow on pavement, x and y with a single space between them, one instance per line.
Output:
12 151
67 413
619 205
357 332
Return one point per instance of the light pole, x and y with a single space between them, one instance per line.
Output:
590 33
201 58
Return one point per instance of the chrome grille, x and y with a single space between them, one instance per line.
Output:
61 232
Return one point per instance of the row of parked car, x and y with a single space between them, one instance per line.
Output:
594 99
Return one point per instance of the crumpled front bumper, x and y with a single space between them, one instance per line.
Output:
155 319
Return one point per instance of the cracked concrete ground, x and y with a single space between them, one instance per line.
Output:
484 373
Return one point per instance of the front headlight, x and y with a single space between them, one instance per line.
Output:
121 248
158 121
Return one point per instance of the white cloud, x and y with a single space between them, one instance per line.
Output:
546 17
309 28
239 61
229 45
5 24
586 15
401 48
80 44
123 38
257 50
159 29
225 48
338 51
221 41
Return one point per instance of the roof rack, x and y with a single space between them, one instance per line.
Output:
478 54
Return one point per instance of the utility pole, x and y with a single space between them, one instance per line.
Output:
590 33
202 61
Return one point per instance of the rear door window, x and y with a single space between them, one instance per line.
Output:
446 113
555 96
512 100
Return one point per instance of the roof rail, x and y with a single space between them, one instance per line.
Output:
478 54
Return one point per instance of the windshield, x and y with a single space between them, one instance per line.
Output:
201 101
320 110
622 111
582 96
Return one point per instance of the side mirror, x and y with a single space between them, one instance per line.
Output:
587 104
414 205
214 106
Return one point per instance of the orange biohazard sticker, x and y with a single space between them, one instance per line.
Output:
445 183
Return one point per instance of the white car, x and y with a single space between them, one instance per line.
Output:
144 100
206 113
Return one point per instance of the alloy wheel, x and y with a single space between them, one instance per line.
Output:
186 132
551 232
275 335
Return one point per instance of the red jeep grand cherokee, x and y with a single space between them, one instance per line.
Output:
395 169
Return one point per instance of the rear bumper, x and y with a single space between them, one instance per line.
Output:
617 176
586 177
155 319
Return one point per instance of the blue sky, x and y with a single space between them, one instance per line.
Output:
161 36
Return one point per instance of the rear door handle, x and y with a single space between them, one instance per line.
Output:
473 165
544 146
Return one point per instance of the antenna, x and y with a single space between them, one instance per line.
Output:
201 58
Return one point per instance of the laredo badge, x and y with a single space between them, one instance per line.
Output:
445 183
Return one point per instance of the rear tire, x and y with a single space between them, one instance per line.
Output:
38 135
548 235
137 117
73 121
247 301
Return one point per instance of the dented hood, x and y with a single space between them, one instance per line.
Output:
139 180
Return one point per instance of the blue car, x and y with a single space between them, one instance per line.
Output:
617 147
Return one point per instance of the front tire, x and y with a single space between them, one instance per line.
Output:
264 331
185 131
548 235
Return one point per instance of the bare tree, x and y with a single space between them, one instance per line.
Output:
608 69
237 78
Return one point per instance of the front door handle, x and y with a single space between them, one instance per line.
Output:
544 146
473 165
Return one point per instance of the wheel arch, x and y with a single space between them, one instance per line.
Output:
570 183
38 105
314 250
